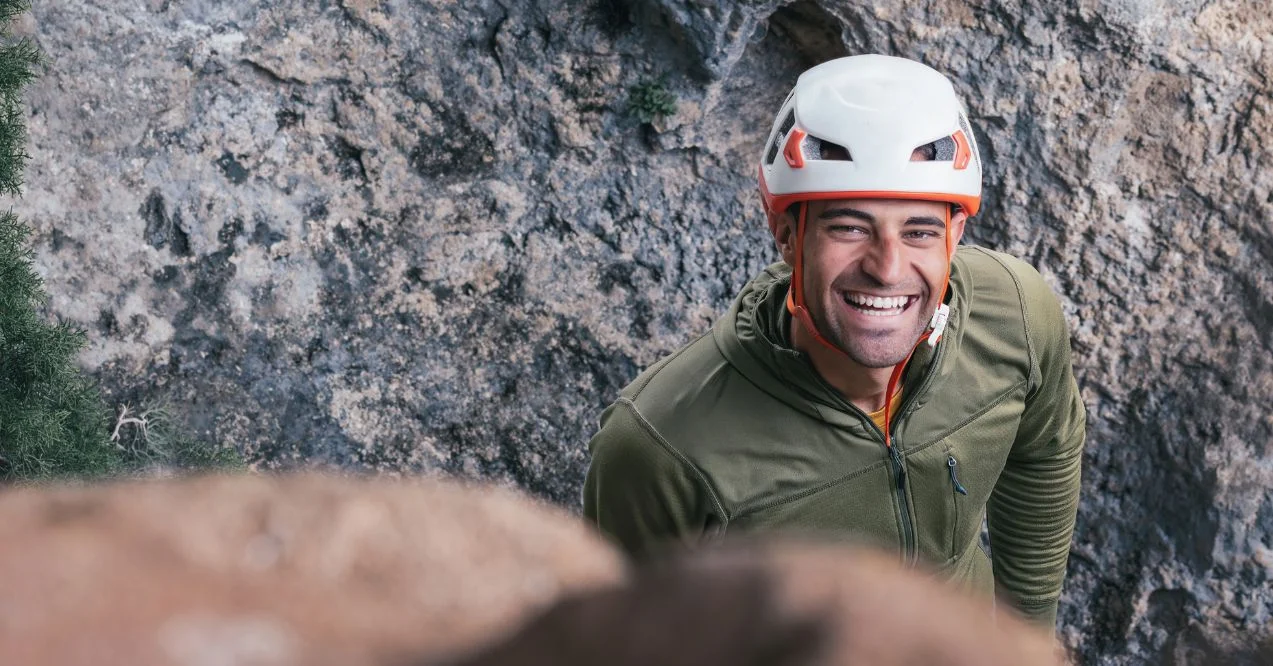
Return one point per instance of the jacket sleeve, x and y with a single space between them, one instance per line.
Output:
1032 509
639 492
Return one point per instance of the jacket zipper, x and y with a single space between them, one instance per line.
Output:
910 550
908 529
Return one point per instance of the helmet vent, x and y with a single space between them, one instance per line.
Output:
773 151
943 149
780 137
832 152
972 141
787 123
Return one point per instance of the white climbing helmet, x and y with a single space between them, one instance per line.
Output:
850 126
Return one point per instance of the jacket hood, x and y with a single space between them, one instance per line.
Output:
754 337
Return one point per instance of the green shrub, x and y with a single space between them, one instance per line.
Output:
18 61
650 99
52 420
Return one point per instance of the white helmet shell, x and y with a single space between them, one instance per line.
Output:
848 131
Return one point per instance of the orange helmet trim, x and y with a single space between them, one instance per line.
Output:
791 151
776 204
963 151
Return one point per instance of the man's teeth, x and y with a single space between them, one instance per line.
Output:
878 302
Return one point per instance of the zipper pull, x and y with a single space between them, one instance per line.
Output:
959 488
897 467
938 324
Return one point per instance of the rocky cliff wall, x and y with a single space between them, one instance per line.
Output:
429 236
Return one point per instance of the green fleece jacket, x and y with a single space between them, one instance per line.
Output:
736 432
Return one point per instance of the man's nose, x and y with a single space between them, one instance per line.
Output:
884 261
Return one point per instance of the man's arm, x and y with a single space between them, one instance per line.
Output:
1032 509
639 492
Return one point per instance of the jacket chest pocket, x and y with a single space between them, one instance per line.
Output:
953 480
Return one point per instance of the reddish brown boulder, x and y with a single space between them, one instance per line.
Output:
776 605
276 571
258 570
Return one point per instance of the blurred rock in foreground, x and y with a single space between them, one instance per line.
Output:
316 570
776 605
263 571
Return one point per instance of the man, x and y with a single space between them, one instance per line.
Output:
877 384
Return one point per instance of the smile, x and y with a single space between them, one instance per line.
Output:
878 306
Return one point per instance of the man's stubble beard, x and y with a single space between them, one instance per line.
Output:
862 351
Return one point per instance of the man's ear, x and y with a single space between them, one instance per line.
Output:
957 223
783 227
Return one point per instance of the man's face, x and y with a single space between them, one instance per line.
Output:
873 272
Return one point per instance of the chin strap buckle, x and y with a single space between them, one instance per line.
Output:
938 324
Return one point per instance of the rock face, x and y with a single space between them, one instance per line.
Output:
427 235
280 572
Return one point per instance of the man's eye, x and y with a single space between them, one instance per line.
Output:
847 228
921 235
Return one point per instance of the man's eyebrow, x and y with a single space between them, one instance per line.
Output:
926 221
832 213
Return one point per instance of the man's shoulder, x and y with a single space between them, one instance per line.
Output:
1018 289
1003 286
685 390
653 413
990 269
693 395
696 358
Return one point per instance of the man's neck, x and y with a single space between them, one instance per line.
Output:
863 387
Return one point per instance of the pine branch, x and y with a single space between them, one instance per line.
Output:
18 63
11 9
53 422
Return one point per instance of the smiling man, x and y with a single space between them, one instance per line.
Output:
878 385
